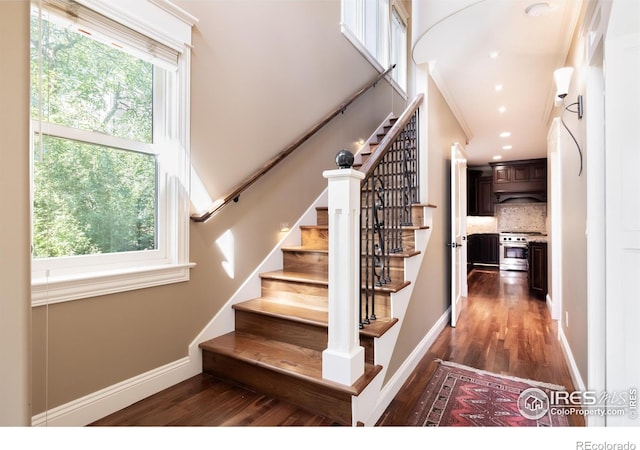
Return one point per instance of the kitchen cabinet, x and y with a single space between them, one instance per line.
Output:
472 196
483 250
479 194
519 179
538 268
484 189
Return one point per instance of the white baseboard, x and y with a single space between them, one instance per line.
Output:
88 409
576 378
395 383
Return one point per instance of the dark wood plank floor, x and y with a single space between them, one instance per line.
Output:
501 329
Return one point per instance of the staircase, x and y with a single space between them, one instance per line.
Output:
277 344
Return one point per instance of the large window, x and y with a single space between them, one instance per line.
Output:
110 156
378 30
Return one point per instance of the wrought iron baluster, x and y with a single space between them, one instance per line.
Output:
388 192
366 210
397 235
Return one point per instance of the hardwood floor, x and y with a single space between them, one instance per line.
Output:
501 329
206 401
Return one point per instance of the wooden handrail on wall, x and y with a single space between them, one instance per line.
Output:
234 194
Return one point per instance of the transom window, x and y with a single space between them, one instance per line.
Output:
109 170
377 28
399 47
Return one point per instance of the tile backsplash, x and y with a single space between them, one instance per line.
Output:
481 224
522 217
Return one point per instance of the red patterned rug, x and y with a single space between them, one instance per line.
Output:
459 395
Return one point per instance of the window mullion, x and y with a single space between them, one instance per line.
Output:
92 137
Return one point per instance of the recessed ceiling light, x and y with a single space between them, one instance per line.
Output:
505 134
537 9
507 147
494 54
497 157
498 87
502 109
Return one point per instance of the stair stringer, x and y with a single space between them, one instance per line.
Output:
224 321
370 404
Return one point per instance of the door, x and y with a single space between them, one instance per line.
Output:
622 246
458 230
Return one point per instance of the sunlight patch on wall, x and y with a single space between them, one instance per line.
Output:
200 199
226 245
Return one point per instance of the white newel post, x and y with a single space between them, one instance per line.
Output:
343 360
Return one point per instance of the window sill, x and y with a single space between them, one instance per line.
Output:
63 289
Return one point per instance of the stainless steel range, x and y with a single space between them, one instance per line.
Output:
514 249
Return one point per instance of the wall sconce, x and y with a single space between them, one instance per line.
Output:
562 79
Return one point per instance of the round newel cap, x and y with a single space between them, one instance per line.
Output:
344 159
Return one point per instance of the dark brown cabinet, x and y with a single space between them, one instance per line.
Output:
480 198
483 250
518 179
472 189
538 268
484 200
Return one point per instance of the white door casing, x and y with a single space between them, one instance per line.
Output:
458 230
622 247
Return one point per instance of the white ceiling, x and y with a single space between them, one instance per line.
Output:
529 50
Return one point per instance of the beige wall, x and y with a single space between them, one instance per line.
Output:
15 302
574 213
263 72
432 292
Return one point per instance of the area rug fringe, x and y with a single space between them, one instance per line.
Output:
555 387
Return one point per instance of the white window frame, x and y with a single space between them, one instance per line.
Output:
57 280
399 45
367 25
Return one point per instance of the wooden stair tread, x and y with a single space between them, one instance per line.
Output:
299 277
415 227
312 312
323 281
405 254
288 359
393 286
378 327
303 249
424 205
326 227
